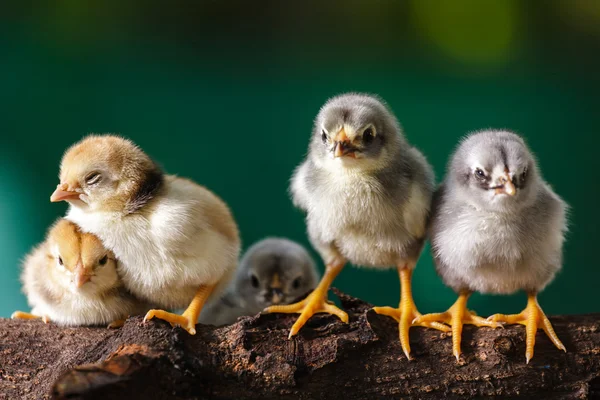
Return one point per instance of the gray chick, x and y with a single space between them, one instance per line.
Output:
272 271
497 227
366 193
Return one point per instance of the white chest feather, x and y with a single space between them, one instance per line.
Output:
352 212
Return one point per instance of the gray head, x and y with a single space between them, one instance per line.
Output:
274 271
494 170
355 130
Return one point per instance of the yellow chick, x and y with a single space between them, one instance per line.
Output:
71 279
177 243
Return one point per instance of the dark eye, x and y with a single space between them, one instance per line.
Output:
368 136
254 281
324 136
296 283
60 261
479 173
524 174
103 260
93 178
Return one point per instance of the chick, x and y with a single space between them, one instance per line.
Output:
272 271
367 195
176 241
71 279
497 227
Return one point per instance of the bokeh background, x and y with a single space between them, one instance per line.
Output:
224 92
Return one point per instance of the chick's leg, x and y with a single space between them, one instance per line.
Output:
532 317
406 312
188 319
456 317
118 323
316 302
25 315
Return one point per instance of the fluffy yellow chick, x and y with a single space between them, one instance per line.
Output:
71 279
177 243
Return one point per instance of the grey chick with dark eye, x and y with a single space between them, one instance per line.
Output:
497 227
272 271
366 193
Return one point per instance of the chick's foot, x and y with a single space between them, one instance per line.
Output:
316 302
26 315
407 312
456 317
533 318
188 319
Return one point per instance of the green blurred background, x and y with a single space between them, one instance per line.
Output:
225 93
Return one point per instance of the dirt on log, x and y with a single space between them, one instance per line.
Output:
253 359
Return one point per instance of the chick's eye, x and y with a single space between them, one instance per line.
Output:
368 135
296 283
524 174
93 178
60 260
324 137
254 281
103 260
479 173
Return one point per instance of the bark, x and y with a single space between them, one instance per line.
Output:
253 359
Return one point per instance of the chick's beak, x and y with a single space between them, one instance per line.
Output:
62 192
277 296
81 275
342 145
275 289
506 186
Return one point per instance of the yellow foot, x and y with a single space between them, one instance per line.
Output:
456 317
184 320
406 314
315 303
532 317
24 315
116 324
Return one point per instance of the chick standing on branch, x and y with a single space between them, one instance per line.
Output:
273 271
367 194
71 279
177 242
497 227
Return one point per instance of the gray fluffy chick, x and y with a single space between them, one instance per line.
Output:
497 227
367 196
272 271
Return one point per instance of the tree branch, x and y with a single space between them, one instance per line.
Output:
253 359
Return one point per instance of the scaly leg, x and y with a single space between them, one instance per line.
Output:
316 302
406 312
532 317
188 319
25 315
456 317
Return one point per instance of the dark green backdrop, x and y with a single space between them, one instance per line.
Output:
225 93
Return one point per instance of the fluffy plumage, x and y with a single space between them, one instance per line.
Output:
176 240
272 271
71 279
493 242
370 209
497 227
366 193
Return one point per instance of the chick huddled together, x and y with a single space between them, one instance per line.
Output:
135 238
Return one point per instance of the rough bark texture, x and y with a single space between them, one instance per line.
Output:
253 359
